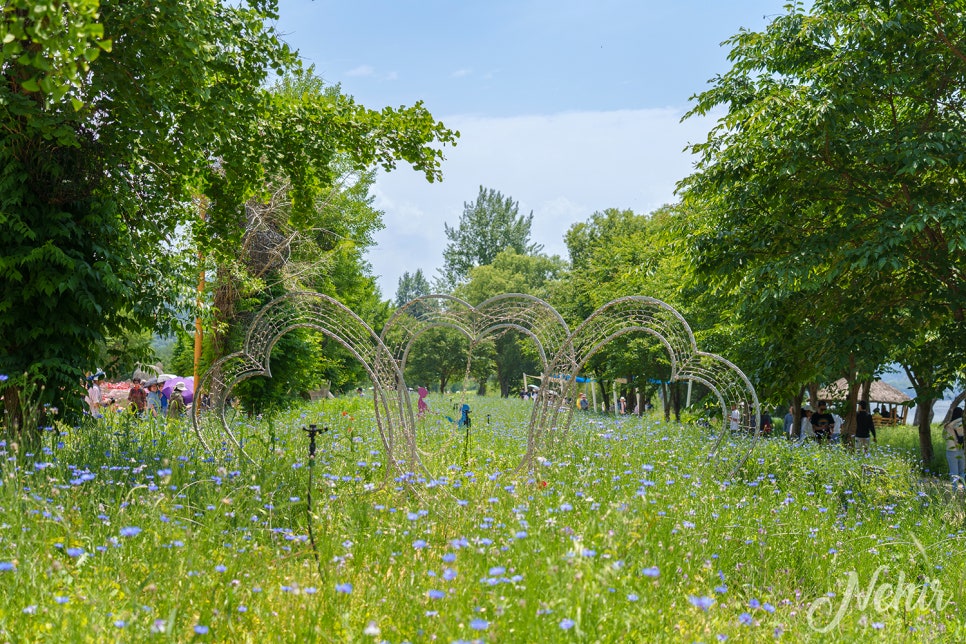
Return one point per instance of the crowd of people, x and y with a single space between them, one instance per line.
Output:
825 426
146 397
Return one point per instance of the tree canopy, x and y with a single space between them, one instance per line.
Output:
117 116
487 226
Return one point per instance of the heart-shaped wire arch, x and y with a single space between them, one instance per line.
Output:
563 353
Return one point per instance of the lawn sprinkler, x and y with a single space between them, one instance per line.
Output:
312 431
466 422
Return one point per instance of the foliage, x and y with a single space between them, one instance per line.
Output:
487 226
511 272
117 116
830 192
412 287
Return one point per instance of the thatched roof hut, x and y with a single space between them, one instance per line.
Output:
880 392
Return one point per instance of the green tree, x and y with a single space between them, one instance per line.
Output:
511 272
487 226
834 179
412 287
116 116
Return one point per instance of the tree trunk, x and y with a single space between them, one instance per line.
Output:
13 414
925 437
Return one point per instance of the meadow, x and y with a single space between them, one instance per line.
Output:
125 530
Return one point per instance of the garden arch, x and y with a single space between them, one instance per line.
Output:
563 352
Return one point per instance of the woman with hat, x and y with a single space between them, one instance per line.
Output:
176 405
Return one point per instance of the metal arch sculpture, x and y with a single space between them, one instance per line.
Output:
563 353
335 320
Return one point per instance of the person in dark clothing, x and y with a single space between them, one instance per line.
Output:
864 427
766 423
822 422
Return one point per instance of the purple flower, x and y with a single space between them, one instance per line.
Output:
220 568
479 624
566 624
345 588
75 552
419 544
130 531
704 603
449 574
651 572
201 629
7 566
745 618
436 594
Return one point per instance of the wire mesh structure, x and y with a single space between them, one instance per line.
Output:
563 353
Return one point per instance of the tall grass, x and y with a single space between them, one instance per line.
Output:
125 530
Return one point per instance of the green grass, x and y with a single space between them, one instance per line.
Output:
621 533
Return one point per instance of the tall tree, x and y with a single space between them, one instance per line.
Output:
116 115
487 226
835 178
411 286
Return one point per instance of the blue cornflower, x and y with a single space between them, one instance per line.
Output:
419 544
479 624
566 623
745 618
201 629
6 566
75 552
345 588
449 574
220 568
651 572
436 594
130 531
704 603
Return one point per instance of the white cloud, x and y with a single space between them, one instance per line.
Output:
563 167
361 70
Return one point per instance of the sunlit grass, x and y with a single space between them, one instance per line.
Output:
129 531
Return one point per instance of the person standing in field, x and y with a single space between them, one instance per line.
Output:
735 417
864 427
953 433
789 423
138 397
805 430
176 405
822 422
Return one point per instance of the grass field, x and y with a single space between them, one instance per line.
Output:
127 531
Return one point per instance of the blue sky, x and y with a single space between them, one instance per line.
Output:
567 107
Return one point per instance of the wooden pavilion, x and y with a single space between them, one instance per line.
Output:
893 405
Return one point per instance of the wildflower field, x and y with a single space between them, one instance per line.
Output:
125 530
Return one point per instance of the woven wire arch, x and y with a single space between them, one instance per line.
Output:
563 353
528 314
660 320
336 321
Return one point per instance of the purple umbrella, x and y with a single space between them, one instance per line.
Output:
189 391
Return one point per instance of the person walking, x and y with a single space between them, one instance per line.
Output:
864 427
789 424
953 433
